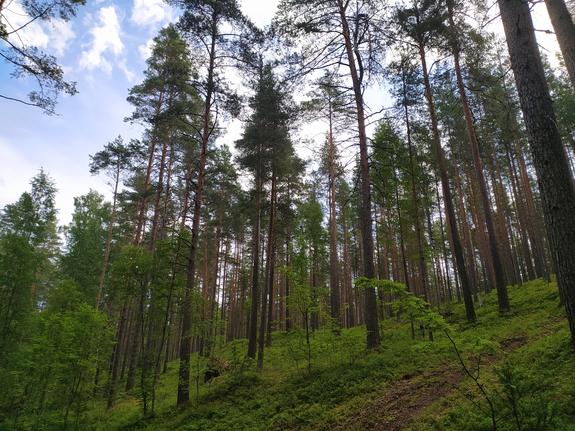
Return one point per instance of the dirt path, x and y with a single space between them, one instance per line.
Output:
397 407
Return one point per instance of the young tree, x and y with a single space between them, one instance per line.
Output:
86 243
115 159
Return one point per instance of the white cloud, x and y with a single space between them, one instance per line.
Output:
150 12
33 34
260 12
129 74
105 38
61 35
145 49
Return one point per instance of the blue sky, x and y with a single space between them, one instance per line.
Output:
104 49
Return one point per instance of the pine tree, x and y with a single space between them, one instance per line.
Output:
549 158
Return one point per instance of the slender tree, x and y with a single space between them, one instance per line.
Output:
454 41
419 22
115 159
343 30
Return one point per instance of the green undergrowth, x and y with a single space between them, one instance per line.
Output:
532 341
532 386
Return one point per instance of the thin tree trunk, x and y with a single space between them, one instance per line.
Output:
108 247
500 283
415 198
186 336
271 260
253 322
333 258
373 337
263 298
447 196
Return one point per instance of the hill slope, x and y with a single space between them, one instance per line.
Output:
523 360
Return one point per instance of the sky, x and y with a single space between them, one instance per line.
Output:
103 49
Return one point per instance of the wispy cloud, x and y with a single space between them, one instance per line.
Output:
151 12
61 36
145 49
105 39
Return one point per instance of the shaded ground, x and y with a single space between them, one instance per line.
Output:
400 404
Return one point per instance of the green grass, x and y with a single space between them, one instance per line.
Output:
345 378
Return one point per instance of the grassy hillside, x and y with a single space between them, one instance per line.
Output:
524 361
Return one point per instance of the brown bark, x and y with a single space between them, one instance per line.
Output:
271 260
253 322
142 207
108 247
533 218
350 315
523 223
415 199
373 337
158 197
549 158
447 196
333 257
564 27
185 341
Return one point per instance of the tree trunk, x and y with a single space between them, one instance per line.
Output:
447 196
549 158
500 283
253 322
335 300
263 298
139 227
271 260
158 198
415 199
108 247
373 337
564 27
186 336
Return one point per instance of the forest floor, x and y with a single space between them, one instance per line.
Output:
519 370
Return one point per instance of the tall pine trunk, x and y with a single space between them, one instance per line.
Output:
500 283
271 260
186 336
335 300
366 228
549 158
447 196
415 197
108 247
253 321
564 27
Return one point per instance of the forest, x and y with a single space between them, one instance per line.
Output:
412 267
